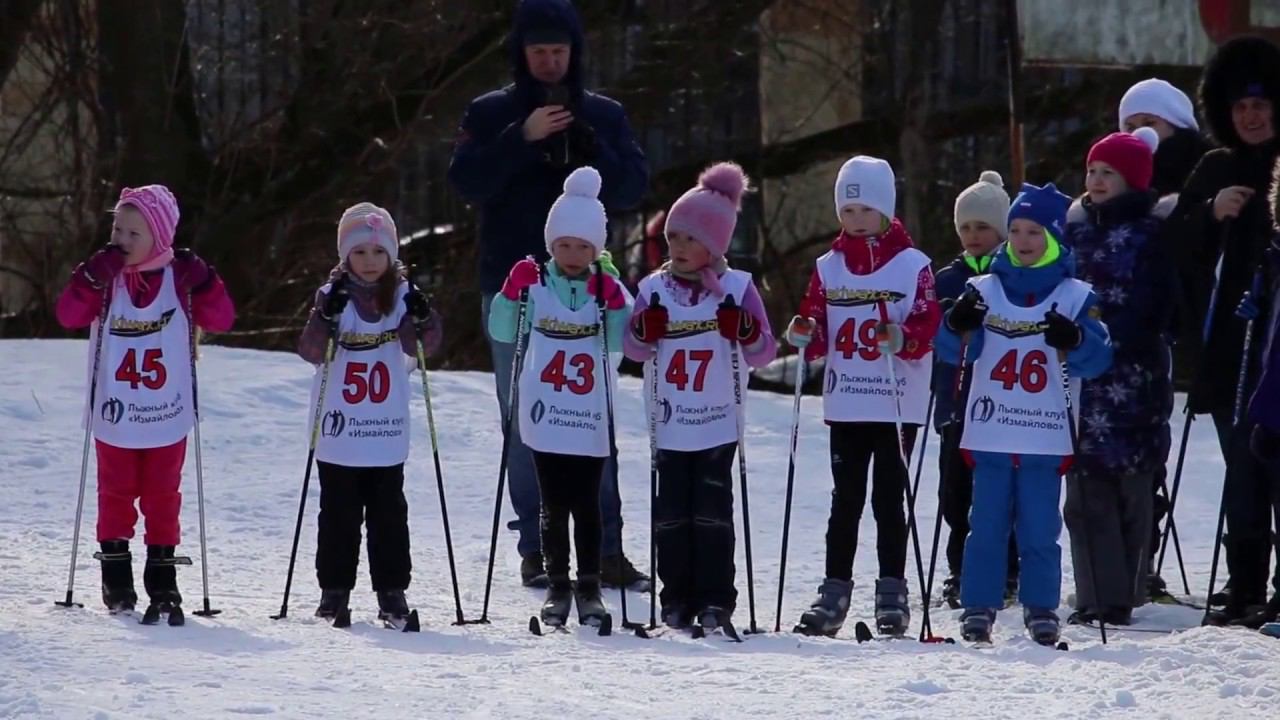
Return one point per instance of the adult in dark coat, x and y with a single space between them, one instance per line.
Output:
515 147
1222 222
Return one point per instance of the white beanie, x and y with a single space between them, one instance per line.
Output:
367 223
986 201
578 212
869 181
1159 98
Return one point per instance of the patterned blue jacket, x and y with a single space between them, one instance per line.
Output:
1124 413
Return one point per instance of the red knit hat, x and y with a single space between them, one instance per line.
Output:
1131 155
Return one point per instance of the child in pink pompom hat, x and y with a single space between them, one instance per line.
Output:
150 299
692 318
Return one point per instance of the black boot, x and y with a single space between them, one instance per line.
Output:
617 571
332 602
117 576
532 573
392 605
160 578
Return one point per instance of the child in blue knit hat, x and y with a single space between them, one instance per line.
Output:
1021 331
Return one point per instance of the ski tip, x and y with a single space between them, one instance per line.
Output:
606 626
343 618
862 632
535 627
411 623
1063 646
176 617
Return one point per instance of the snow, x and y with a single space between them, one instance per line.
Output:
61 663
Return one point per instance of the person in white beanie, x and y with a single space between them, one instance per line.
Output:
1156 104
871 311
561 392
980 220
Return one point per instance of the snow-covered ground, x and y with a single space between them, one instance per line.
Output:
60 663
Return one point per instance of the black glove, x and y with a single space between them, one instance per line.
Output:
1264 444
968 313
335 302
418 305
1061 332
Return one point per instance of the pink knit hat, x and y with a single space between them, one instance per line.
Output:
709 212
159 209
367 223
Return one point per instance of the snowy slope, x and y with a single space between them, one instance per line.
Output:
86 664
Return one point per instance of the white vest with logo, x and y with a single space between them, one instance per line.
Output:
143 394
696 408
1016 400
366 402
562 400
857 384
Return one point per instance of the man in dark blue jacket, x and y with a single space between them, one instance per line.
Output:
514 150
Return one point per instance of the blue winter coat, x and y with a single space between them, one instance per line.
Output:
949 284
1124 413
515 182
1264 405
1026 286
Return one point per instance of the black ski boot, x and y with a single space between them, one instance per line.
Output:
715 617
332 603
677 616
532 573
394 612
617 571
591 608
117 576
555 610
892 612
951 592
975 625
160 578
1042 625
827 613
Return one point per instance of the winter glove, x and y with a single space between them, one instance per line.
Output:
799 332
889 337
198 273
335 302
523 275
103 266
1264 444
736 324
968 313
418 306
650 324
1248 309
614 298
1060 331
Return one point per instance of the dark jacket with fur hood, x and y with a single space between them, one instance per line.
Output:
1199 238
1264 406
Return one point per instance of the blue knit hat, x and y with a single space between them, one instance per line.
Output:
1043 205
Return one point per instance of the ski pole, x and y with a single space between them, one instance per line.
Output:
98 332
606 364
1205 329
654 301
1075 448
512 405
435 457
791 483
1236 416
206 611
943 478
924 443
906 465
735 352
306 477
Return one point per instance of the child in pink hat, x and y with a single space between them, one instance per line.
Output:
696 322
135 287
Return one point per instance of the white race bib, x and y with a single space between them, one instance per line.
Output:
857 386
696 408
1016 400
143 395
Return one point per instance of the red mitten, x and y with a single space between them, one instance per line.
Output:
650 324
736 324
523 275
614 298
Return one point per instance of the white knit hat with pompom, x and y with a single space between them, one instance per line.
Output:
578 212
985 201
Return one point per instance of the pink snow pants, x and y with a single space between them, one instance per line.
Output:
147 476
